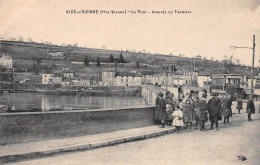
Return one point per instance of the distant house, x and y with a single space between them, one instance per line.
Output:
68 74
147 77
108 78
65 81
6 61
77 62
178 81
57 78
56 54
128 79
47 77
198 57
204 80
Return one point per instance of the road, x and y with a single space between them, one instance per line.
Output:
195 147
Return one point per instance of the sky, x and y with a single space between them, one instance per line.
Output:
209 30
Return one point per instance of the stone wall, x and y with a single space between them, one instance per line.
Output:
33 126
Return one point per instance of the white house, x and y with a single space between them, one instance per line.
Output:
202 79
128 79
108 78
6 61
56 54
47 77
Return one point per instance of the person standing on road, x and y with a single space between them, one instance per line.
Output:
188 116
214 110
196 112
169 108
225 109
203 112
239 104
177 118
250 108
229 106
162 114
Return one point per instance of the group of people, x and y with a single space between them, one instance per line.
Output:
192 110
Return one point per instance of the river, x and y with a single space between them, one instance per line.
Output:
41 102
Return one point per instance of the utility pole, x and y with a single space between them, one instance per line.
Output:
191 72
253 61
252 72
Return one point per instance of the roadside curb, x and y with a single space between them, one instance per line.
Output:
86 146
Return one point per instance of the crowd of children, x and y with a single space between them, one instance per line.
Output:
193 109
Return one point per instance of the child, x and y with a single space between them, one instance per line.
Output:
239 104
177 118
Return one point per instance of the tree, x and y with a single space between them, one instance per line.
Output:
111 59
121 59
137 64
98 62
86 62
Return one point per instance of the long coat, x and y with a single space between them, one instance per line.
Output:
203 110
188 115
162 114
251 106
225 108
214 109
195 111
169 107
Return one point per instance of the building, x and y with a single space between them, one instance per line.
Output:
56 54
147 77
47 77
6 61
68 74
128 79
204 80
65 81
57 78
108 78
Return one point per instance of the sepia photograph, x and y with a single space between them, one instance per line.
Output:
110 82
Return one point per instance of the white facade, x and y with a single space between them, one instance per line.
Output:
108 78
125 80
6 61
56 54
47 78
203 78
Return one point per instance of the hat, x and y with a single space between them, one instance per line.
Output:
160 94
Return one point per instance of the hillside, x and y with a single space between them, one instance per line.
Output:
32 55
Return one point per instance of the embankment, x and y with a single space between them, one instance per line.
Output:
34 126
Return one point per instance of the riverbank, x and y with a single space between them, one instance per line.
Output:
71 90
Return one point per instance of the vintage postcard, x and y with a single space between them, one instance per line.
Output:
129 82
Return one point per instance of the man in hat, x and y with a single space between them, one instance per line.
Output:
250 108
214 105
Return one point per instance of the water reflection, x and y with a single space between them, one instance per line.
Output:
28 101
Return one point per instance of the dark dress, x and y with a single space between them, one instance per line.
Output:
196 105
214 109
251 106
239 105
162 114
169 107
156 111
225 109
203 110
188 115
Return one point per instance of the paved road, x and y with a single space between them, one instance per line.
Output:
190 147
